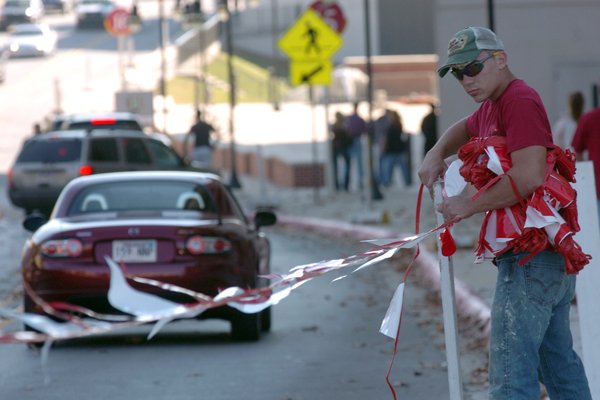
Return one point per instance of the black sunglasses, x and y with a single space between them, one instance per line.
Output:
471 69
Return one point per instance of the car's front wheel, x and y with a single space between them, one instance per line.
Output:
246 327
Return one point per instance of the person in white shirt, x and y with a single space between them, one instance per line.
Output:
564 129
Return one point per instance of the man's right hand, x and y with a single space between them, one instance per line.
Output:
432 169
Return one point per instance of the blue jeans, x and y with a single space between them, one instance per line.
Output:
531 335
388 162
356 155
345 156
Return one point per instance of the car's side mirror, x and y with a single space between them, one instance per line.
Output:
33 221
264 218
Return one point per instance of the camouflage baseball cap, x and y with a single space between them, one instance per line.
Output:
466 45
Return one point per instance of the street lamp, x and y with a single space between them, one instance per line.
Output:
226 17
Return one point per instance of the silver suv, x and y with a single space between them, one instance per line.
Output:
48 161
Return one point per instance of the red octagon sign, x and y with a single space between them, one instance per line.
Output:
117 22
331 13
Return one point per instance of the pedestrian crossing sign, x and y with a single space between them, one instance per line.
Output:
310 39
311 72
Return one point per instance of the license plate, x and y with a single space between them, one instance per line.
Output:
134 250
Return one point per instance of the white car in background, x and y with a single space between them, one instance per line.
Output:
31 40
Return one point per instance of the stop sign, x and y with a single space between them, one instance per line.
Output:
117 22
331 13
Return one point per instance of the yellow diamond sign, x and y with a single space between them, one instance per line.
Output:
310 39
311 72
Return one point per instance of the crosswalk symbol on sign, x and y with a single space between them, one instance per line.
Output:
310 39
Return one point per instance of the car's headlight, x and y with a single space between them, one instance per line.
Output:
14 47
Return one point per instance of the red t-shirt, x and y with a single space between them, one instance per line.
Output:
518 114
587 137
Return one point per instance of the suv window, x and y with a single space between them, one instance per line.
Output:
50 151
104 150
164 156
135 151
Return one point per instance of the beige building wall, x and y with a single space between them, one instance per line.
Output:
554 45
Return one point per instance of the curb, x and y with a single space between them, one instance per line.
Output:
470 308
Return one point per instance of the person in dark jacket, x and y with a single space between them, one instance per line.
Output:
429 128
395 152
201 132
341 142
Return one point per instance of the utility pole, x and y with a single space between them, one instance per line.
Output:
490 10
273 91
163 63
373 185
233 182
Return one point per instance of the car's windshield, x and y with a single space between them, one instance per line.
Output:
103 2
28 32
17 3
50 151
156 195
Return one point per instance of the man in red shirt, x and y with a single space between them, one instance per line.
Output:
587 137
531 335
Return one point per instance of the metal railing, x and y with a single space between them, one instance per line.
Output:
197 39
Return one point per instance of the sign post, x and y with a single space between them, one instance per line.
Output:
121 23
449 309
588 280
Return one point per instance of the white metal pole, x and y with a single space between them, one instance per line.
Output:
449 309
588 280
121 51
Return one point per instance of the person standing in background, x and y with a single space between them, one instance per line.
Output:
201 132
395 152
37 129
341 142
587 138
380 128
429 128
356 127
564 128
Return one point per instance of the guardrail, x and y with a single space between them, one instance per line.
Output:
198 39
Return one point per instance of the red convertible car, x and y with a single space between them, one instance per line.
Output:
182 228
